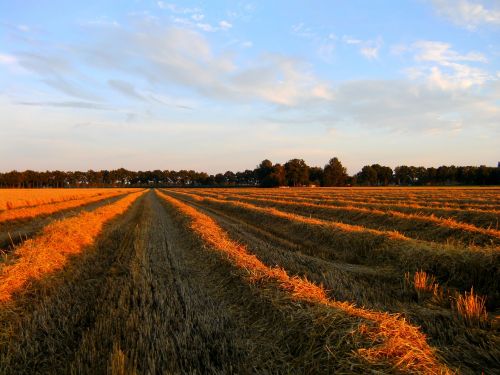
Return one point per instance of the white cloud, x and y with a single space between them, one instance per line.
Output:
445 68
442 52
224 25
468 14
182 57
206 27
300 29
280 80
405 106
174 8
203 26
247 44
369 49
461 77
324 45
350 40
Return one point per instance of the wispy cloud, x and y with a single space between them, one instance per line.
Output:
324 45
300 29
203 26
165 57
194 18
467 13
442 52
67 87
125 88
445 68
369 49
69 104
224 25
174 8
351 40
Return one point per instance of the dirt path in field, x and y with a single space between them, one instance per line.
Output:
148 298
16 231
376 288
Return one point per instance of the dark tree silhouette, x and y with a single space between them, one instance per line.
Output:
316 175
334 173
296 172
367 176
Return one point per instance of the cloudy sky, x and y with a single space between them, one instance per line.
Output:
218 85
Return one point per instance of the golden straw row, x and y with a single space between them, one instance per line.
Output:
47 209
459 267
50 251
424 227
478 217
17 198
387 194
394 341
489 202
397 205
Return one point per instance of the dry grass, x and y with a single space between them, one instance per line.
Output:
426 287
394 340
486 217
424 282
50 208
487 199
377 215
17 198
459 266
51 250
199 282
424 227
308 250
471 308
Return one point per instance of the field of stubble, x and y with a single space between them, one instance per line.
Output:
325 280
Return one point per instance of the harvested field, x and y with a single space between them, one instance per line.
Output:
30 212
17 198
306 281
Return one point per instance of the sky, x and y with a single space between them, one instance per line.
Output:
221 85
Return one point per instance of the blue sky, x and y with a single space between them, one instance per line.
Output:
221 85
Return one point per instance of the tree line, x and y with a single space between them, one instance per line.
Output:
294 172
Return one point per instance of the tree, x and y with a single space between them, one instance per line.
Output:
263 170
296 172
482 175
230 177
335 174
220 179
367 176
275 178
316 175
384 174
404 175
